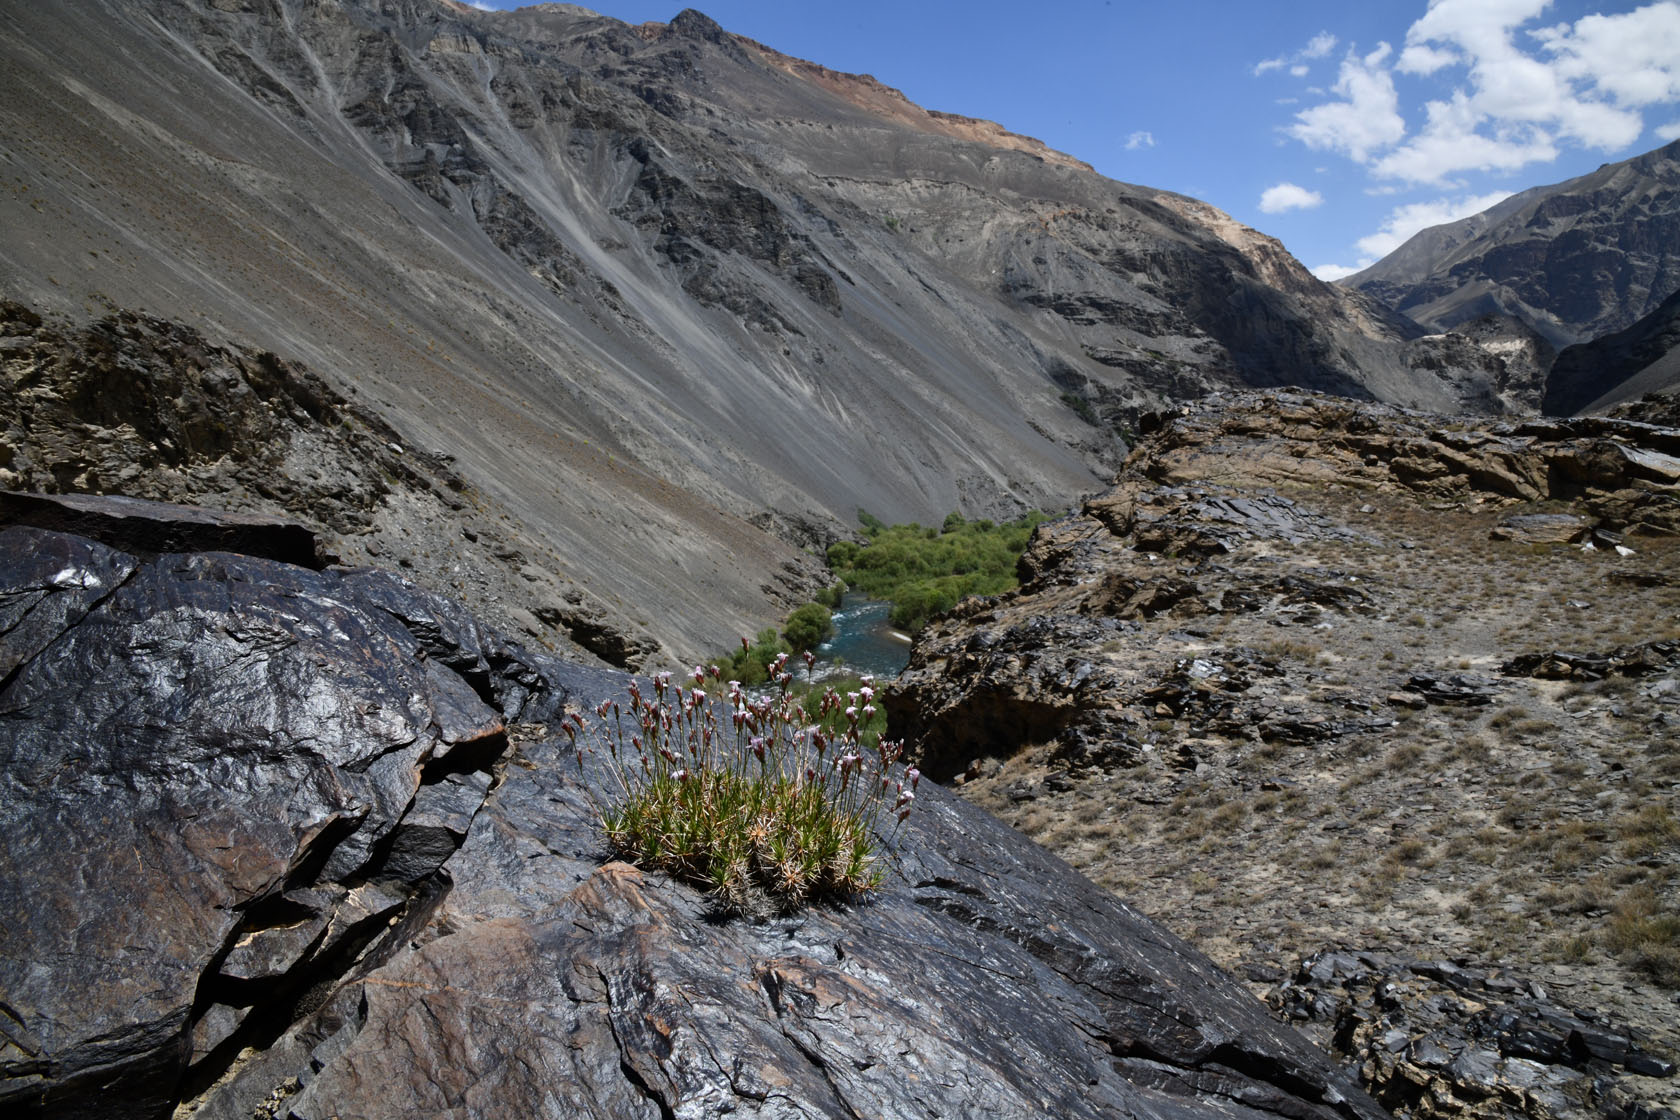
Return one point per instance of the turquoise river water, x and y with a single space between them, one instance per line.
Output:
864 642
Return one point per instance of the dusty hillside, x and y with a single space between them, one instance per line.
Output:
645 283
1316 675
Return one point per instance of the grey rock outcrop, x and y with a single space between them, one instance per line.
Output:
289 842
1318 672
1195 529
1438 1038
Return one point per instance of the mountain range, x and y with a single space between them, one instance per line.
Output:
674 304
1574 261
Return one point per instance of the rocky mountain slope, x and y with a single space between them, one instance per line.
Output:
1393 693
1574 260
1645 358
286 841
146 408
675 304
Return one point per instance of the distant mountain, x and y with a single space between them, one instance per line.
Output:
1575 260
1645 358
672 304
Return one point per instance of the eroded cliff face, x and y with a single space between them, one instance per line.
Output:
644 284
1317 676
286 841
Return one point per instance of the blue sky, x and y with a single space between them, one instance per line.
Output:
1338 128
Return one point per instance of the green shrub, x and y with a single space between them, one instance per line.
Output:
755 799
808 627
751 663
925 572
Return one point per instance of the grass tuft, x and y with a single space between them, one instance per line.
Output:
760 802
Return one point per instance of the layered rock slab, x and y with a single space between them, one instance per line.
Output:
984 980
267 850
221 773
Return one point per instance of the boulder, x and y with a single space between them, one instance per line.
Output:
205 754
1541 528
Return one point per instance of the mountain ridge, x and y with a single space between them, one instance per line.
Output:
1575 260
652 292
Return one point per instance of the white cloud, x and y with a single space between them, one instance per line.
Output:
1633 57
1365 120
1513 96
1404 221
1451 142
1330 272
1419 59
1140 140
1668 132
1319 46
1288 196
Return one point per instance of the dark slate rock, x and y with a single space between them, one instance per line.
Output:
1454 688
266 849
1629 661
152 528
985 979
215 731
1450 1032
52 582
521 683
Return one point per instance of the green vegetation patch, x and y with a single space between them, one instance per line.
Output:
756 799
924 571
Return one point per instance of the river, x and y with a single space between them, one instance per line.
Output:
864 642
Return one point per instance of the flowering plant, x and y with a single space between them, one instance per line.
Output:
752 797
